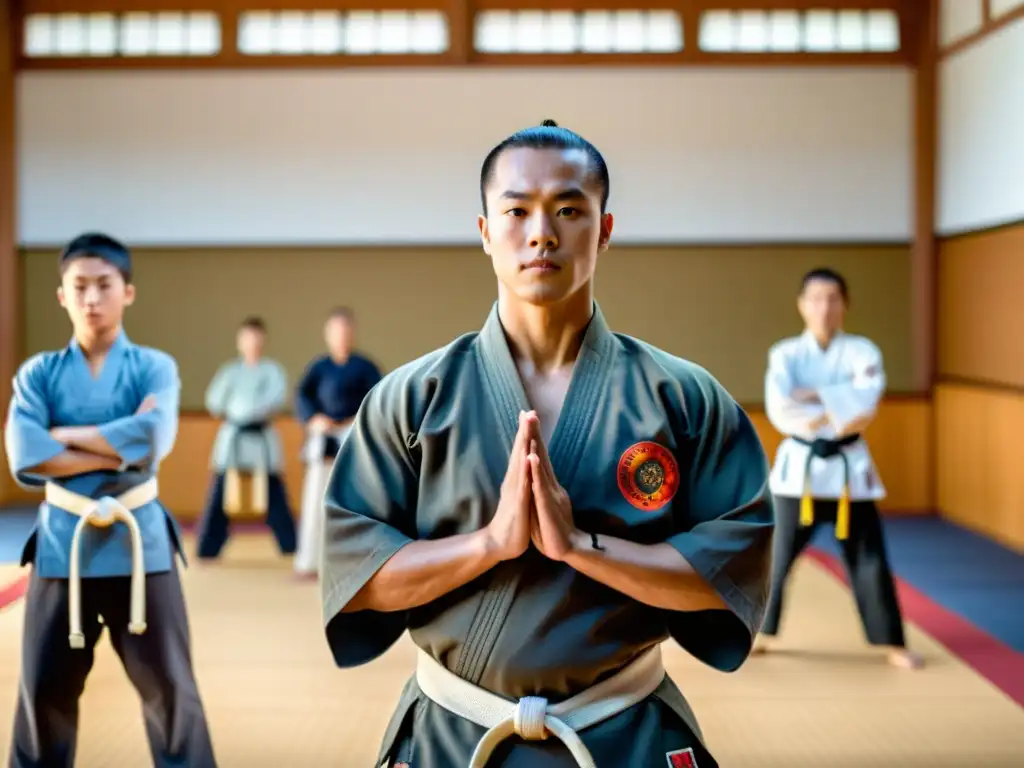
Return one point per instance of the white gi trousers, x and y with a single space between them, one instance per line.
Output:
311 520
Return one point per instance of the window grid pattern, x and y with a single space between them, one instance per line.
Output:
326 33
604 32
107 35
813 31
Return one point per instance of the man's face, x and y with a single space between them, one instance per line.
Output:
94 294
822 307
339 335
544 228
250 342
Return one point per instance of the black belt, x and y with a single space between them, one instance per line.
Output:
822 448
331 447
252 426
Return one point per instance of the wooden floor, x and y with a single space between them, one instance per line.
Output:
274 698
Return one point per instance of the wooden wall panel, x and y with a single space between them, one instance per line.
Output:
981 313
979 414
900 440
10 303
980 484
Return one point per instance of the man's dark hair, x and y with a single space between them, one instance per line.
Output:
829 275
547 135
254 323
342 313
97 245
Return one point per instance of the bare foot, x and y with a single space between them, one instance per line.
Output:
761 647
905 659
306 576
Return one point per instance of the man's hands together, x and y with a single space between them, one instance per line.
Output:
533 506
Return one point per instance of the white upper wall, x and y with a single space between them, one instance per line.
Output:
958 19
981 133
358 156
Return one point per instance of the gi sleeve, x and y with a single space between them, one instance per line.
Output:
306 406
276 395
727 522
858 398
372 375
370 509
219 390
786 414
27 439
149 437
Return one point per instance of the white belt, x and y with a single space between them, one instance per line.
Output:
532 718
103 513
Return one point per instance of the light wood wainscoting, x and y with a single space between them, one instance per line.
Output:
900 441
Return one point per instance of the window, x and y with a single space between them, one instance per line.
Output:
813 31
129 34
626 31
357 33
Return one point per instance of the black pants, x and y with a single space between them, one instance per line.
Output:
158 663
213 528
866 562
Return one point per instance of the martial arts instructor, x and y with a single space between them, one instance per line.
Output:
543 502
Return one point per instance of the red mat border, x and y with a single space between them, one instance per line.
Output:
12 592
995 661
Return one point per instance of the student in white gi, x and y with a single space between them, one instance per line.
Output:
822 390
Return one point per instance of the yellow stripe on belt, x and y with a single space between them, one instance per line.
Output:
827 449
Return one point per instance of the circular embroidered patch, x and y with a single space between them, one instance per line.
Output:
648 476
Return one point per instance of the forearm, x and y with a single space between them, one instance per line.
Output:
850 409
855 426
305 406
791 416
423 571
74 462
252 412
653 574
86 439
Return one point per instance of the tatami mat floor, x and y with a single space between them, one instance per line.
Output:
274 697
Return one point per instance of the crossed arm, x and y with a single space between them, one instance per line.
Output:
86 447
849 406
38 452
271 397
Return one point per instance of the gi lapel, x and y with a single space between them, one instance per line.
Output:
96 389
589 381
504 387
508 397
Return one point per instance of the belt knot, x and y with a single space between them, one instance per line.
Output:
102 513
528 722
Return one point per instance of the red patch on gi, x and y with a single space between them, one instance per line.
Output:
648 475
681 758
